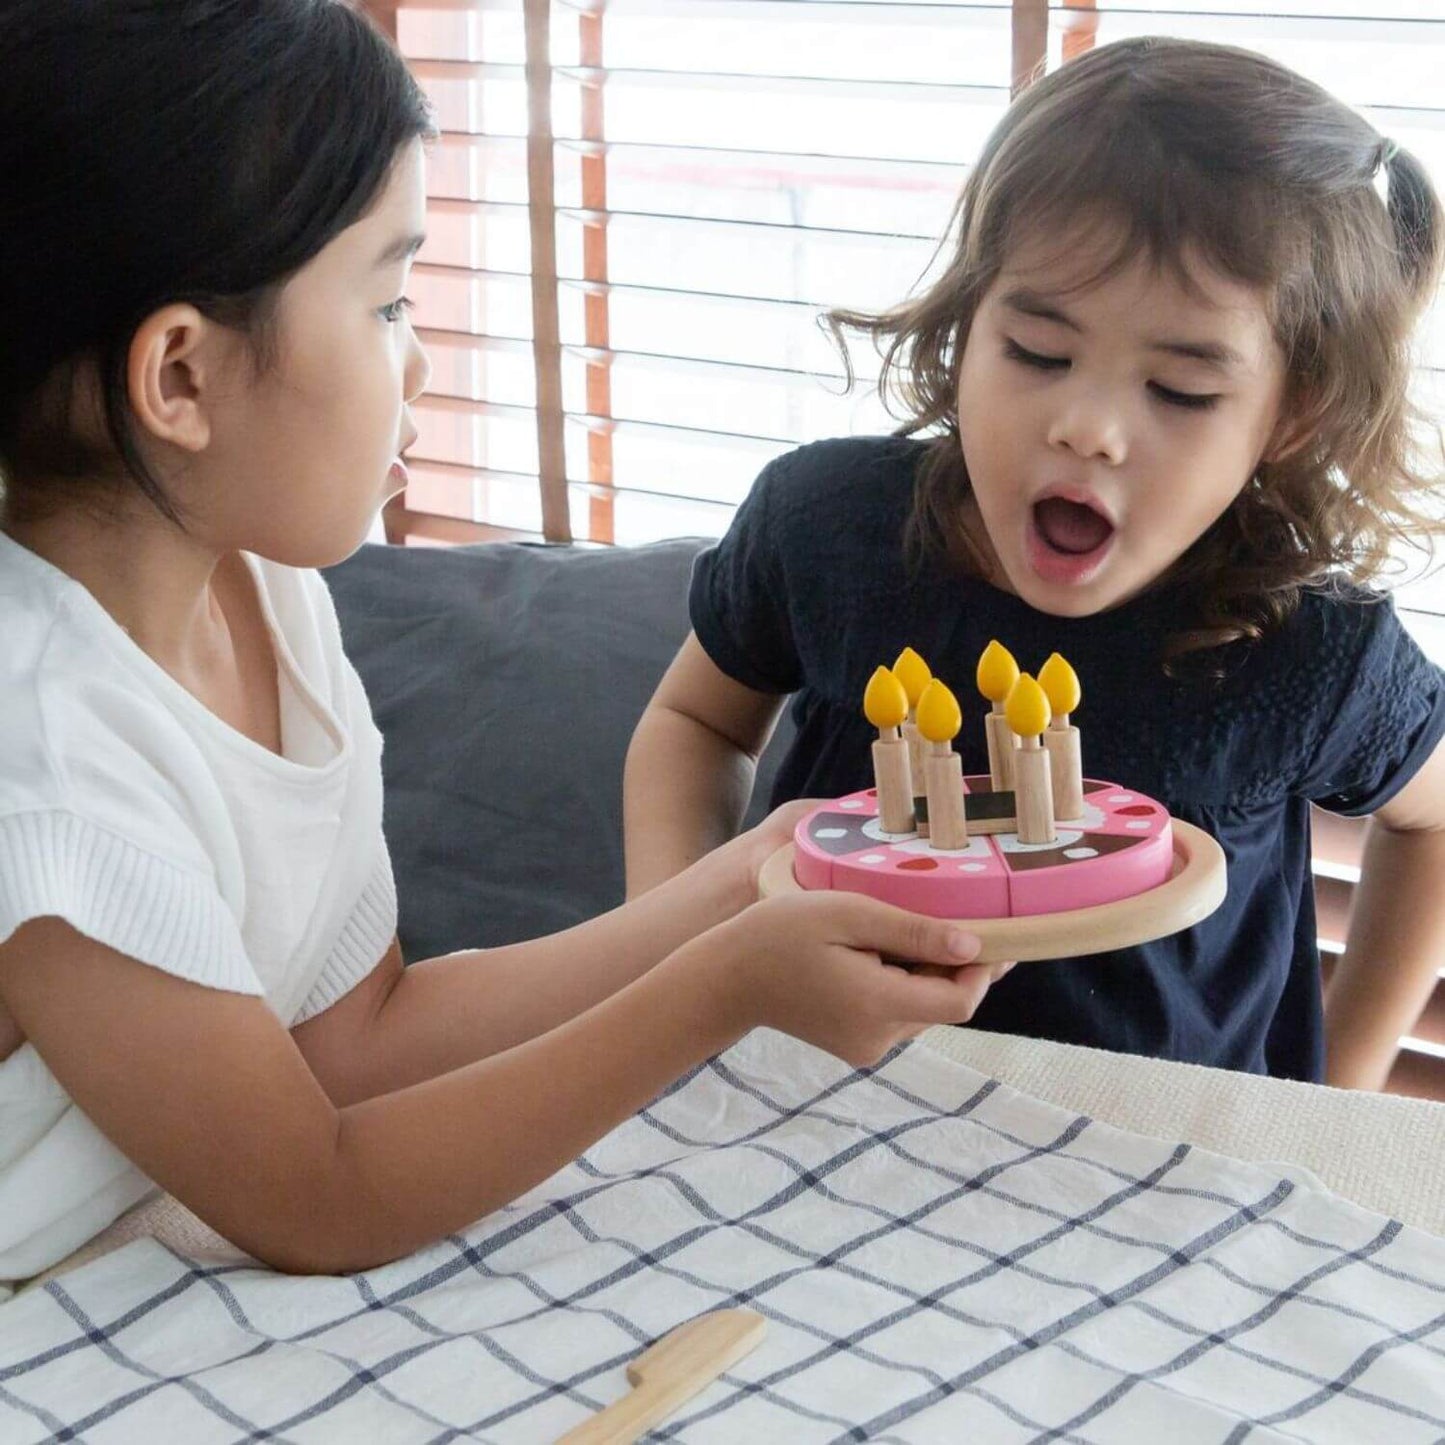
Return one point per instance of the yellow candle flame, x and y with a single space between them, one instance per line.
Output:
939 718
1061 683
1027 709
997 672
885 704
912 671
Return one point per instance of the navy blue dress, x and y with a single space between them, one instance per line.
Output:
810 590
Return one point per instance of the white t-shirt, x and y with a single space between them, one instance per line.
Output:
134 813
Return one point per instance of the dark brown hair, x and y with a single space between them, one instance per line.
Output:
1194 153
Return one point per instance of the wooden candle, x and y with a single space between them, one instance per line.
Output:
912 671
885 705
997 673
939 720
1027 711
1061 685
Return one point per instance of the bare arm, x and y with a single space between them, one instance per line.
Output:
400 1026
1396 944
690 766
210 1096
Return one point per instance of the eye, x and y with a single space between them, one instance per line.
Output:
1035 359
1189 400
397 309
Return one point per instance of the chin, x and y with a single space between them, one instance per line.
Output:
316 552
1059 602
1059 599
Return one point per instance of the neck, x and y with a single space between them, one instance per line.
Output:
154 579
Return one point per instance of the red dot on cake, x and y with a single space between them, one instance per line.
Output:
1139 810
918 865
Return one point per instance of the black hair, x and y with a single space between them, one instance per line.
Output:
161 151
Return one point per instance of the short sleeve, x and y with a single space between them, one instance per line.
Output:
362 944
1384 723
738 600
55 864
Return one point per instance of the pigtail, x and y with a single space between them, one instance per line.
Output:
1416 220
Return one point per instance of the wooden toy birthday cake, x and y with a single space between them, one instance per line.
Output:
1042 861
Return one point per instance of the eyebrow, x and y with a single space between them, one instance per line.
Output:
1211 353
401 249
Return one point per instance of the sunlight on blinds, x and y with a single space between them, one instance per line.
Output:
724 171
745 165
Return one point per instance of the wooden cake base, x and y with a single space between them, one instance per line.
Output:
1141 873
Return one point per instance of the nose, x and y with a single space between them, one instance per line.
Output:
417 372
1091 426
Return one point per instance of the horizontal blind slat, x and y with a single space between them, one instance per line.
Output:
709 196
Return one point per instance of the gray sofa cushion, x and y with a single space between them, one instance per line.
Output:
507 680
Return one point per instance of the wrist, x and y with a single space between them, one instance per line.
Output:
729 875
714 970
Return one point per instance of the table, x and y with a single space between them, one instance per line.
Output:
939 1256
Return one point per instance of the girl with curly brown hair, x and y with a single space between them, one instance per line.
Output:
1156 417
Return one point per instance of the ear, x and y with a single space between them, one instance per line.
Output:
170 375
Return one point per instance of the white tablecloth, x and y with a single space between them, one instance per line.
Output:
939 1257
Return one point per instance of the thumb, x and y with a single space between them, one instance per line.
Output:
910 937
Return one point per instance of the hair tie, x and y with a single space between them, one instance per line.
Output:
1387 152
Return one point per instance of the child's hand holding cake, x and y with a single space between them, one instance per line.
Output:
815 966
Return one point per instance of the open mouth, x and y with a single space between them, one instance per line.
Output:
1067 539
1072 528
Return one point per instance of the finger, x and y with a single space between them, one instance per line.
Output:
896 933
932 998
995 971
788 814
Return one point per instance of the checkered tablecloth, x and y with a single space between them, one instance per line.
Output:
939 1258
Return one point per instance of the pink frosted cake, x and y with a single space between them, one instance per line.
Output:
1122 845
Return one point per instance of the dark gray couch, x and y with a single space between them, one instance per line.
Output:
507 680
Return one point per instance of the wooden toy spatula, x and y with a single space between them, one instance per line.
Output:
665 1375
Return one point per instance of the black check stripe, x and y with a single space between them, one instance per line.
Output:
755 1297
935 1300
1184 1326
798 1206
1201 1346
1335 1386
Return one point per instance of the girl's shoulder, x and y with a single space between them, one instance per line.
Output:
1345 635
50 651
876 468
87 711
825 503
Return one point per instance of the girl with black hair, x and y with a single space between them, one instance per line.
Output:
207 213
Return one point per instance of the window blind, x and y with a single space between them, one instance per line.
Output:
723 171
638 209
